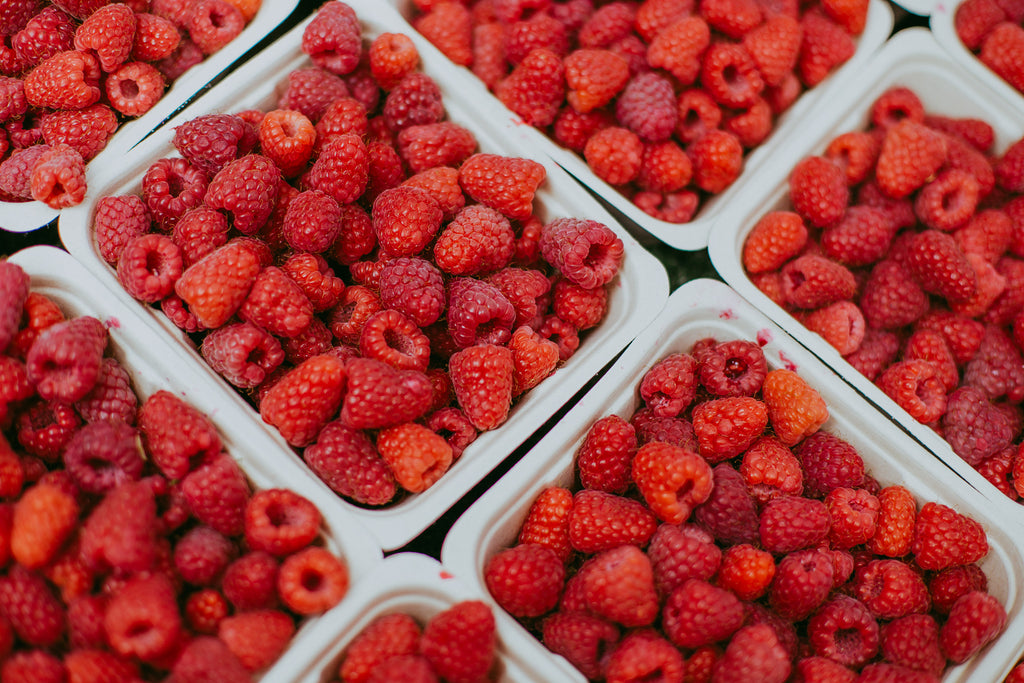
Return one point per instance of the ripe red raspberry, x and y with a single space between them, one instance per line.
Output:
342 169
678 48
995 368
730 513
247 189
891 297
348 462
664 168
16 172
812 281
379 395
818 190
671 480
974 428
581 639
217 493
975 619
730 75
618 584
343 115
916 387
34 613
216 286
392 56
86 130
44 428
67 80
825 46
171 187
250 582
844 631
435 144
746 571
840 324
449 26
134 88
536 88
754 653
770 469
413 287
405 220
562 245
441 182
212 24
257 638
829 462
460 642
392 338
156 37
647 107
149 266
547 522
174 433
931 346
488 61
726 427
600 521
305 399
734 18
103 455
777 237
911 153
802 582
120 532
534 358
506 184
415 101
286 138
47 33
525 580
974 19
604 457
208 656
16 14
607 25
861 236
890 589
332 39
478 240
999 50
44 517
614 154
478 313
642 653
111 398
311 91
83 663
717 158
14 285
913 642
774 46
58 177
482 380
540 30
594 77
65 360
578 306
387 636
202 555
795 409
945 538
280 522
698 613
790 523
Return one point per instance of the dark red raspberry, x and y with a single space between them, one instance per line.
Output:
348 462
103 455
242 353
681 553
730 513
414 287
33 611
562 243
379 395
311 90
415 101
844 631
171 187
802 583
64 362
332 39
974 428
478 313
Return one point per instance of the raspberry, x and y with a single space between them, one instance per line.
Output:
442 183
142 619
975 619
913 642
535 88
751 125
774 47
356 306
746 571
547 522
488 61
614 154
311 91
478 240
974 428
730 513
717 158
392 56
790 523
111 398
332 39
348 462
171 187
44 428
730 75
840 324
413 287
754 653
482 379
217 493
641 654
538 31
945 538
891 297
89 664
812 281
618 585
916 387
149 266
671 480
795 409
562 245
664 167
387 636
305 399
607 25
103 455
280 522
890 589
47 33
120 532
525 580
675 430
58 177
726 427
212 24
174 433
460 642
257 638
604 457
948 585
777 237
734 18
34 614
670 386
770 469
647 107
818 190
594 77
250 582
216 286
202 555
533 359
65 360
600 521
16 172
973 20
394 339
343 115
435 144
415 101
246 188
581 639
802 582
478 313
416 455
502 183
995 368
117 220
999 50
733 368
861 237
44 518
911 153
66 80
379 395
155 38
448 25
207 656
16 14
14 284
844 631
86 130
698 613
825 46
134 88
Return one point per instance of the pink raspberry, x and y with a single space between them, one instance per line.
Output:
103 455
562 244
647 106
844 631
242 353
212 24
58 177
347 461
311 90
478 313
64 362
414 287
415 101
333 38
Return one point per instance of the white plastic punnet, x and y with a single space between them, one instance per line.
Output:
692 236
153 365
32 215
708 308
941 23
635 297
913 59
406 583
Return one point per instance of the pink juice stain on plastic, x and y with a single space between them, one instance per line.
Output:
446 575
763 337
727 314
112 323
786 362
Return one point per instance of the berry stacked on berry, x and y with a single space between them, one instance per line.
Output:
73 70
662 98
133 544
379 289
994 31
718 534
456 644
903 248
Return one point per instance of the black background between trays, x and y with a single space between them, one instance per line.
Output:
682 266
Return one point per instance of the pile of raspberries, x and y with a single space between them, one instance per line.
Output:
662 98
993 31
133 546
378 289
903 247
72 71
716 534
